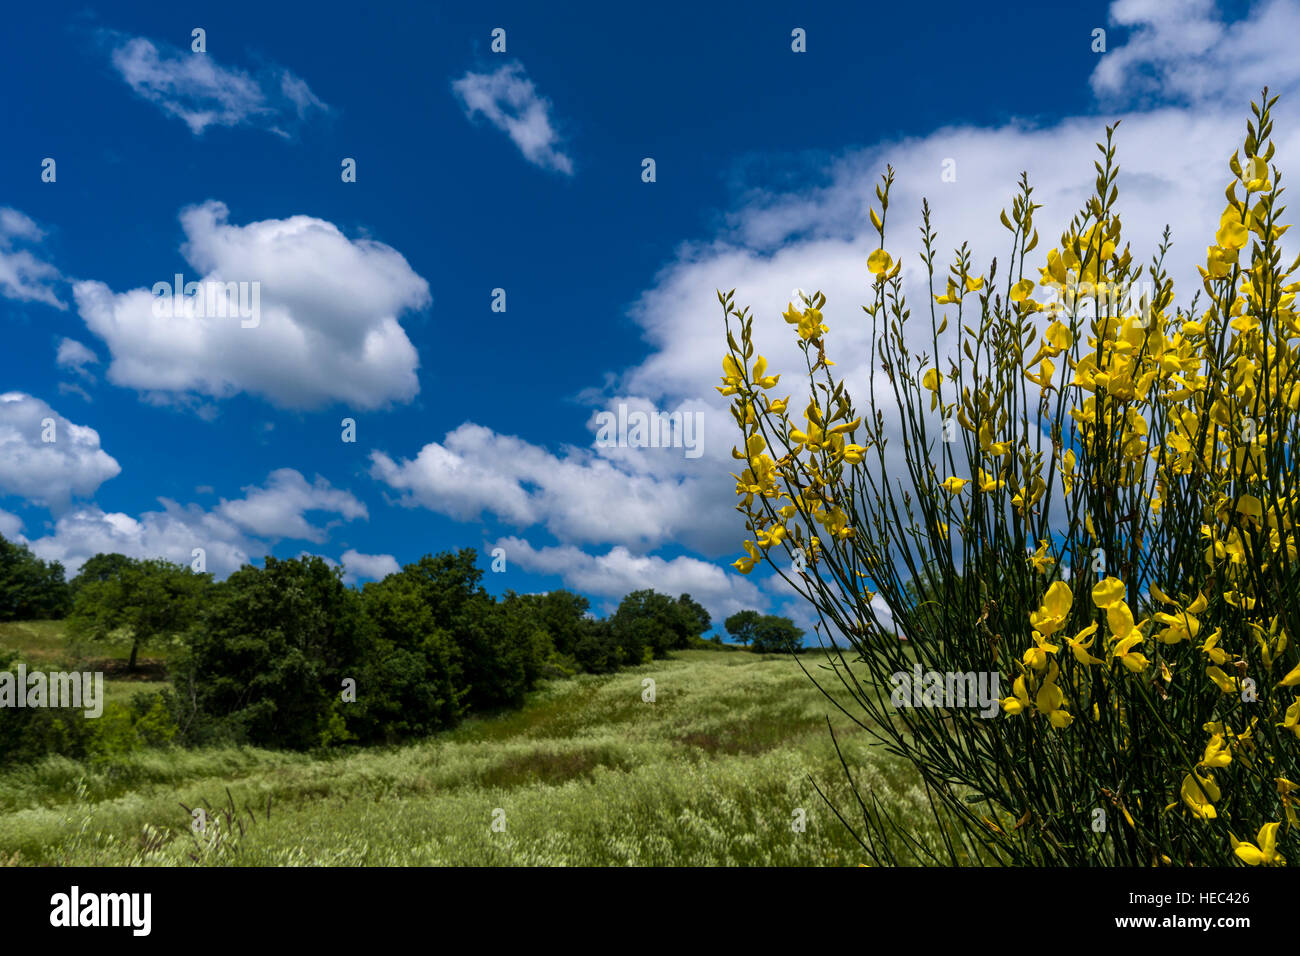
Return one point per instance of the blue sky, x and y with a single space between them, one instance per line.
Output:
520 171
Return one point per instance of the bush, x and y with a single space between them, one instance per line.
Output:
1150 713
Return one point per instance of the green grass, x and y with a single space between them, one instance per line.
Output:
587 773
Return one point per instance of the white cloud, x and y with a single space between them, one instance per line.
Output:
198 90
374 567
278 510
49 474
230 533
619 572
328 329
637 497
11 526
74 356
511 103
172 534
68 388
1186 52
24 277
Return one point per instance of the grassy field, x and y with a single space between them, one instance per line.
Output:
712 772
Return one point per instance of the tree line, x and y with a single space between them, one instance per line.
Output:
289 656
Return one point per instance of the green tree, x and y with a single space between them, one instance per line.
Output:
698 618
101 567
273 648
30 589
147 599
647 619
596 650
501 650
560 612
410 681
776 635
741 626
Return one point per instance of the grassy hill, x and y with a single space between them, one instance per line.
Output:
587 773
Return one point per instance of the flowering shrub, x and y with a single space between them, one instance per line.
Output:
1097 503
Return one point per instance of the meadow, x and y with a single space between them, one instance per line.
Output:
713 772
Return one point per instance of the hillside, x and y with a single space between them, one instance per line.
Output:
587 773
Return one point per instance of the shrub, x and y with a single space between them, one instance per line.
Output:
1151 714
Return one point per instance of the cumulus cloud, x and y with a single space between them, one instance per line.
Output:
11 526
171 534
74 357
637 497
1187 52
374 567
230 534
279 509
48 473
328 327
199 91
507 98
619 571
24 277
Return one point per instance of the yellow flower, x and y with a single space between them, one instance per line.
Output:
1255 175
1127 637
1232 234
1199 793
1018 703
950 297
1210 647
1266 852
954 485
1216 754
731 379
745 565
1050 700
1020 291
761 380
931 380
1108 592
1050 618
1219 262
1291 721
988 483
1079 647
1224 682
1045 372
879 262
1036 658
